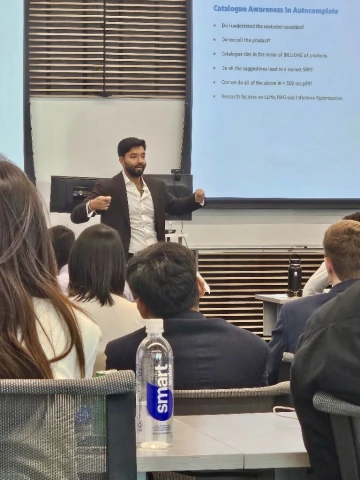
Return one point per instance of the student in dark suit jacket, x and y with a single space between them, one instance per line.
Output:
328 357
293 316
208 353
133 204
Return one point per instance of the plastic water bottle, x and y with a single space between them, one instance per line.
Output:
154 389
294 276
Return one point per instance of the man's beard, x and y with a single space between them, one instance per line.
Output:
135 172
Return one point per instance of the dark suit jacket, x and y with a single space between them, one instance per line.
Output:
327 359
117 216
208 353
291 324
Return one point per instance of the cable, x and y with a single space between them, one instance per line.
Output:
182 232
287 409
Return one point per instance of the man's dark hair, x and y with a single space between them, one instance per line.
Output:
97 265
353 216
128 143
62 239
163 276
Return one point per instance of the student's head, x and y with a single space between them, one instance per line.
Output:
342 251
131 152
353 216
97 265
27 270
164 279
62 239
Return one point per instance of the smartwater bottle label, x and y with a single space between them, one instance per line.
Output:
159 396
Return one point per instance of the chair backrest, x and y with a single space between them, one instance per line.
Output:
288 357
57 429
285 367
234 400
345 422
100 363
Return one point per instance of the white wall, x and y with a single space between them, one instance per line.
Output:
78 137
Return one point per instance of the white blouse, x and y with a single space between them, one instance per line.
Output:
114 321
52 335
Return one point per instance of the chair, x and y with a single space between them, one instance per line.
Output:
345 422
288 357
233 400
100 363
285 367
68 429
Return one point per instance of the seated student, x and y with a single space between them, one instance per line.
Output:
42 334
208 353
97 278
327 360
320 279
342 260
62 239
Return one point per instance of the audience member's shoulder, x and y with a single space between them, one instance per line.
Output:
129 308
127 341
124 303
311 300
87 325
48 315
345 305
234 331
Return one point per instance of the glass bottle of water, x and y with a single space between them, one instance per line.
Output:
154 389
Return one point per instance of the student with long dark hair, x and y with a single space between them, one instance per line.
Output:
62 240
97 270
42 334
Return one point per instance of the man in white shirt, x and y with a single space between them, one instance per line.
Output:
133 204
62 239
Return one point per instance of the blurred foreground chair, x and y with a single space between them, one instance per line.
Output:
345 422
68 429
234 400
285 367
288 357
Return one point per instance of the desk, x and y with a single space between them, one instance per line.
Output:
272 305
192 450
265 439
232 442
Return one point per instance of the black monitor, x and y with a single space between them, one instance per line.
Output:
67 192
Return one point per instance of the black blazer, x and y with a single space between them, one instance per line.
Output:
328 360
208 353
290 325
117 216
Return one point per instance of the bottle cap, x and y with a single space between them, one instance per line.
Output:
154 325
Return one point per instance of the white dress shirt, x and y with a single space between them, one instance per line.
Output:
63 279
127 293
142 216
317 282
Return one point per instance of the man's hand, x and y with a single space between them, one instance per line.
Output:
199 196
100 203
